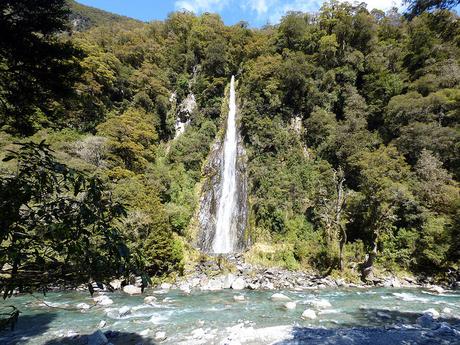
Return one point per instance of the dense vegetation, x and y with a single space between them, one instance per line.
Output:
349 117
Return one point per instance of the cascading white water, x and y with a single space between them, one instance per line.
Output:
225 236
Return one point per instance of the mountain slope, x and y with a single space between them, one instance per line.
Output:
84 17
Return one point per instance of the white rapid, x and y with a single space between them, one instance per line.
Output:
225 236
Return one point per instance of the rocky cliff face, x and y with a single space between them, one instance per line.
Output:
211 194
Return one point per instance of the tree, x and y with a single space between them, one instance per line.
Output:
332 215
417 7
383 178
36 65
57 225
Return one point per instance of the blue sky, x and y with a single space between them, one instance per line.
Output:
256 12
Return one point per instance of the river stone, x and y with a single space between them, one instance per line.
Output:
150 300
160 336
132 290
308 314
97 338
426 321
103 300
437 289
228 280
238 298
116 284
213 285
83 306
290 305
279 297
238 284
123 311
433 312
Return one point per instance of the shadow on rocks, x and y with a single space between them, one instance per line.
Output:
26 327
111 337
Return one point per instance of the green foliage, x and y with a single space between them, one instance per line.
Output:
58 226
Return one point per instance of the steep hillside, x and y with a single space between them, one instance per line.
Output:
84 17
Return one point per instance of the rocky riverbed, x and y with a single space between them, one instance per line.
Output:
233 317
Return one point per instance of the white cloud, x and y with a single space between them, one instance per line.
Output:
199 6
260 6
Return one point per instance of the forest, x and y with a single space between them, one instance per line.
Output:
350 121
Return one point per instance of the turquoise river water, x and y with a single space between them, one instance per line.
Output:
354 316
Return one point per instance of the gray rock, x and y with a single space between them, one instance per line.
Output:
150 300
132 290
309 314
239 284
124 311
116 284
160 336
97 338
279 297
426 321
290 305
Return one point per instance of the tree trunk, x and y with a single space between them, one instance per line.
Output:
367 266
343 240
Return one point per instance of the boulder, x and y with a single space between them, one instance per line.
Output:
116 284
290 305
160 336
436 289
150 300
228 280
124 311
426 321
308 314
132 290
238 298
97 338
103 300
238 284
433 312
279 297
213 285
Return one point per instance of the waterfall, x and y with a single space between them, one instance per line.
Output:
223 213
225 236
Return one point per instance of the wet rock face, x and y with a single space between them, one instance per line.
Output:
211 194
